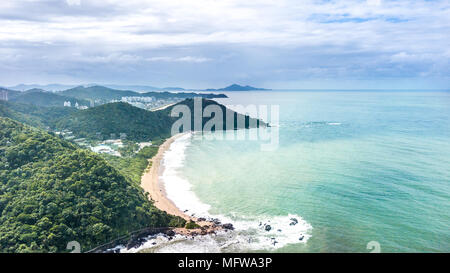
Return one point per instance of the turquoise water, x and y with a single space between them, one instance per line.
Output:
356 166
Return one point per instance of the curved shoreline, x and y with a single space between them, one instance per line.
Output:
151 183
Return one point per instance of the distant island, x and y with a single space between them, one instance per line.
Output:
237 87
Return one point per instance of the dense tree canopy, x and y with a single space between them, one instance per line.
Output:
117 118
47 99
51 193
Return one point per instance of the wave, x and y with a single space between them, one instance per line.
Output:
251 232
178 189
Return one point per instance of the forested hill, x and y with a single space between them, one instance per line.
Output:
52 192
117 118
237 87
42 117
138 124
248 121
47 99
8 93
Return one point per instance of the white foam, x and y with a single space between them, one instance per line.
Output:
249 233
284 230
178 189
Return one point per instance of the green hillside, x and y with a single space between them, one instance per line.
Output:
98 123
137 124
42 117
52 192
116 118
249 122
96 93
47 99
9 93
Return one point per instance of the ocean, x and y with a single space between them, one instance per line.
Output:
353 171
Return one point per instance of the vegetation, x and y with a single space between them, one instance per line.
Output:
98 123
132 167
129 148
51 193
9 93
42 117
47 99
248 121
191 225
117 118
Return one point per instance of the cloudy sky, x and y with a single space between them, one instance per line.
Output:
211 43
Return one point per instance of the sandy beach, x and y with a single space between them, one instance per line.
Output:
151 183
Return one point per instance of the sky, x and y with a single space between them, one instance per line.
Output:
279 44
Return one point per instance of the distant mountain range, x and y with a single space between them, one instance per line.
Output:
136 88
237 87
61 87
105 93
84 95
46 87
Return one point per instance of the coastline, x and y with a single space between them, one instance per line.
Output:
152 184
163 107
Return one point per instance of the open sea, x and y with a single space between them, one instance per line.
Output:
353 171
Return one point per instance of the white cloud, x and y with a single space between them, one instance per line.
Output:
185 59
204 31
373 2
73 2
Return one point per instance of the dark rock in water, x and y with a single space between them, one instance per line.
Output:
201 219
154 243
268 228
134 242
216 221
170 238
301 238
170 232
294 221
186 210
228 226
260 224
117 250
279 230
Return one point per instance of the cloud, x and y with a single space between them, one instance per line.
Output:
185 59
73 2
374 2
219 40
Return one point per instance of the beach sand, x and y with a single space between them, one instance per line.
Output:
151 183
